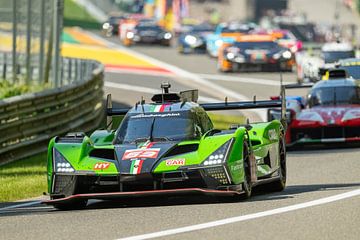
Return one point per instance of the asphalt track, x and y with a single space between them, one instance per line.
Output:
313 174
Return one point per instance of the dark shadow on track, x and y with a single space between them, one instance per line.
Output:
320 148
260 194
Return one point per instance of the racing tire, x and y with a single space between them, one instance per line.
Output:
246 185
73 205
279 185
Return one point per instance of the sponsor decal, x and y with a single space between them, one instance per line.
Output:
141 153
101 166
175 162
152 115
236 167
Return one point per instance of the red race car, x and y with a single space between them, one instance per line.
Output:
330 113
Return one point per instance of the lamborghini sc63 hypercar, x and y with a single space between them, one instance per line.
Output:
167 147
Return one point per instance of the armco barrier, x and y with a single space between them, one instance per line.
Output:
27 122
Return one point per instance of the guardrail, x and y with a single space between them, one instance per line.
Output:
27 122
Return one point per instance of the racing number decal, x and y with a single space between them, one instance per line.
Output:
141 153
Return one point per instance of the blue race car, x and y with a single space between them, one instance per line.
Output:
226 33
194 40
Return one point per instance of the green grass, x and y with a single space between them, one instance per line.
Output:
8 89
23 179
225 121
74 11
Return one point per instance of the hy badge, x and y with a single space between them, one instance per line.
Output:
101 166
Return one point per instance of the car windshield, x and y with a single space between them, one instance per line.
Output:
114 20
334 56
235 29
257 45
172 126
329 96
148 28
202 28
354 71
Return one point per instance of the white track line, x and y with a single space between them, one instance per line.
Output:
20 205
138 72
141 89
225 221
243 80
215 88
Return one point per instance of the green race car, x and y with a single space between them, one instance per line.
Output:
167 147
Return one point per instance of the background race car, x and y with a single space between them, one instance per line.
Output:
352 66
330 113
255 52
226 33
167 147
148 31
194 40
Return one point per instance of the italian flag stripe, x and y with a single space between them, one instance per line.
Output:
136 166
162 107
159 108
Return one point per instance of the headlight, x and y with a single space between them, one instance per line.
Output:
106 25
219 156
130 35
61 165
167 35
218 42
351 115
230 55
276 56
191 40
287 54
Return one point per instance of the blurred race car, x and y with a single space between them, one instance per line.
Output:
255 52
352 66
167 147
334 52
148 32
329 114
226 33
194 40
285 38
111 26
312 68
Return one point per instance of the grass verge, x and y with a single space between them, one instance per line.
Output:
225 121
75 15
23 179
8 89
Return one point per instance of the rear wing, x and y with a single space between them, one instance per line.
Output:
298 85
281 103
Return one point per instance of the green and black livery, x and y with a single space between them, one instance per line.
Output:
167 147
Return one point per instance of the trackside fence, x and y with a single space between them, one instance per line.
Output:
27 122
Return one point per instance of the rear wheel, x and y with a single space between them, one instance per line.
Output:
279 185
246 185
